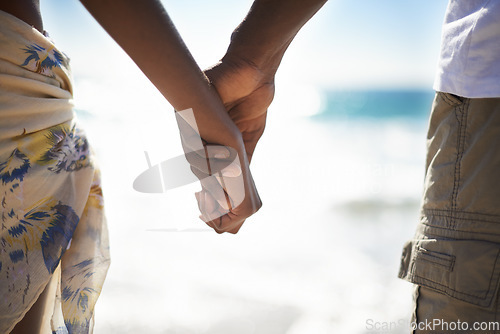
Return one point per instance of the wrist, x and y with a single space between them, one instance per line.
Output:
260 58
212 120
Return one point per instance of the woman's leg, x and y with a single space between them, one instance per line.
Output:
37 320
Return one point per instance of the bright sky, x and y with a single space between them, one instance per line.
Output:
348 44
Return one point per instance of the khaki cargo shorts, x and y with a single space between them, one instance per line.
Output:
454 257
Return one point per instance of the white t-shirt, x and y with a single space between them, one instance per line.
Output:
469 64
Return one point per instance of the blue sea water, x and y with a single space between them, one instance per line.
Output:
409 105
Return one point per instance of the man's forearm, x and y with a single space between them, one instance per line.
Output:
270 26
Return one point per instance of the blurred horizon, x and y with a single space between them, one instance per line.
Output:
383 45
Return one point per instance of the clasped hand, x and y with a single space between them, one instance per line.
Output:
228 194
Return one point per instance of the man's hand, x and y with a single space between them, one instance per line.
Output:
244 78
246 92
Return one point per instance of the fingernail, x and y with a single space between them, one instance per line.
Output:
232 170
221 155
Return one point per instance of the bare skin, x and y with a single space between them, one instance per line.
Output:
26 10
244 77
138 26
32 321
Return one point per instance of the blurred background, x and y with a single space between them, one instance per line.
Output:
339 169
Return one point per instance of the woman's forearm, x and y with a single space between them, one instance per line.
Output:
144 30
146 33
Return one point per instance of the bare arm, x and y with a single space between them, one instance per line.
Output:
244 77
269 28
144 30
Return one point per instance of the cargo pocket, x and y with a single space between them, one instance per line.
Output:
467 270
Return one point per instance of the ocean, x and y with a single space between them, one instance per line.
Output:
340 184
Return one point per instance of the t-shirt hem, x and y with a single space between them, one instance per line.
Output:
455 84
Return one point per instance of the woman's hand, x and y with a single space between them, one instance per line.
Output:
228 194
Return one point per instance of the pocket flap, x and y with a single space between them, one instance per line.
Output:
467 270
